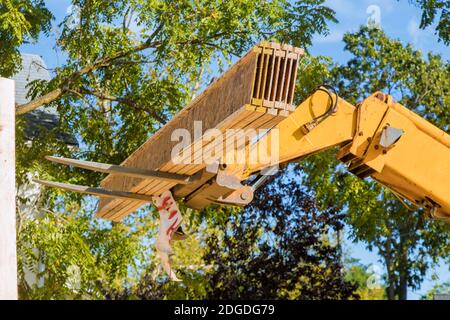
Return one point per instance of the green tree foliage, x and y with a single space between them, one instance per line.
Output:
20 21
383 64
367 281
278 248
130 66
408 243
76 257
436 11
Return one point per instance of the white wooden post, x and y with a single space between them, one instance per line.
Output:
8 254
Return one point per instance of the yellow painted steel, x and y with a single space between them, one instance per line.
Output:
294 143
416 167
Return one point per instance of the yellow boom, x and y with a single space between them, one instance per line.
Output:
379 138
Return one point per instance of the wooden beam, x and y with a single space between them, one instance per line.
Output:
8 254
256 81
124 171
100 192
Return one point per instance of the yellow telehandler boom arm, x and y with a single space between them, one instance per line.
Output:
378 138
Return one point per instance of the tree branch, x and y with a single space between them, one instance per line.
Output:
128 102
65 86
38 102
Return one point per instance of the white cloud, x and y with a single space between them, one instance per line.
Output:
418 36
413 30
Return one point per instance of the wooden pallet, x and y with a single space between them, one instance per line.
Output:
257 92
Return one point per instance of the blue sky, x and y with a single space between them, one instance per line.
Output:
398 19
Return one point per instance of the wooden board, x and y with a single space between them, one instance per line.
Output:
8 256
256 92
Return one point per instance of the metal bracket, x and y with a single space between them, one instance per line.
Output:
432 213
240 197
228 180
224 177
265 175
389 136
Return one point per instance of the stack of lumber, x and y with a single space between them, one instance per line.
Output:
257 92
